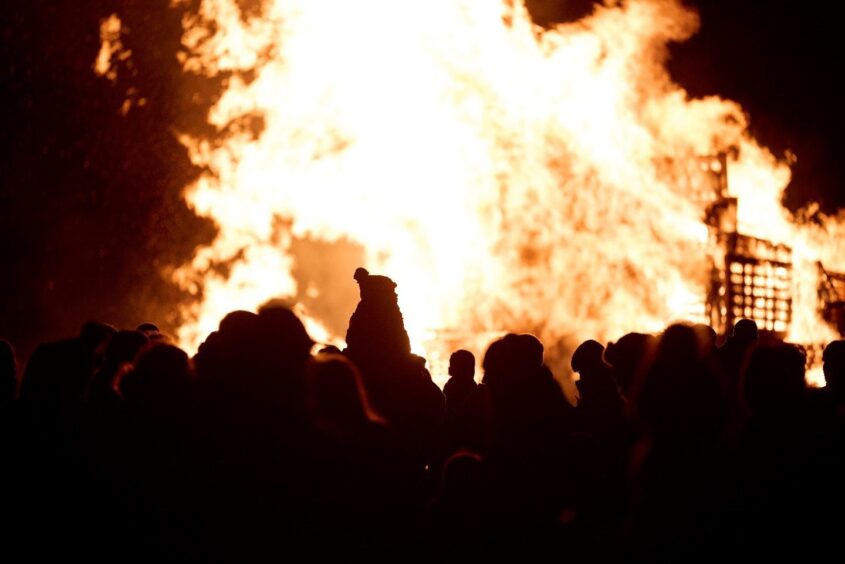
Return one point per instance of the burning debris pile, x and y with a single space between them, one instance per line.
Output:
507 177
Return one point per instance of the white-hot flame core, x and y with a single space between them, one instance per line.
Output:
508 178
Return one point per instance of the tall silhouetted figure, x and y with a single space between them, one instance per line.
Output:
376 330
396 381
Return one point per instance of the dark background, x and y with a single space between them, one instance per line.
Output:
91 209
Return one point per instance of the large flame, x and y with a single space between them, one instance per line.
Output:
507 177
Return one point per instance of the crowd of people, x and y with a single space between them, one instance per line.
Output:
119 445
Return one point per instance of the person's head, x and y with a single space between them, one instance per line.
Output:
334 393
531 350
679 397
706 338
123 347
587 357
285 334
462 364
745 330
237 322
628 356
375 287
679 343
463 476
94 333
775 380
162 378
509 359
147 328
595 375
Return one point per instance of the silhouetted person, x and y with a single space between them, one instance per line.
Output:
397 382
734 353
681 470
599 458
376 330
531 421
828 473
460 420
784 474
774 383
120 352
707 339
108 426
54 462
336 400
355 465
460 510
57 374
150 330
601 408
158 478
462 488
256 358
834 373
680 399
628 356
161 383
461 382
251 375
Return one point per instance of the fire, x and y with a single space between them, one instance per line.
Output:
505 176
111 48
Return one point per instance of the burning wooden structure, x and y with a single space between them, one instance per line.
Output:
753 278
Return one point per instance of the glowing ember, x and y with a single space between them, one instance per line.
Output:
111 48
505 176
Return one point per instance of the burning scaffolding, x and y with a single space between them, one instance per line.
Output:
752 278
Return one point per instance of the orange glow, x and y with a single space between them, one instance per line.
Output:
111 48
508 178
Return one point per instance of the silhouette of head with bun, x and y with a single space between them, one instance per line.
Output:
376 331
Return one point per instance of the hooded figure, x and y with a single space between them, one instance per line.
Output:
376 331
396 380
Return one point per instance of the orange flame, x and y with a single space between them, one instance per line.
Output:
506 177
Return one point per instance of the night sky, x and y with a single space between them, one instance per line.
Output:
91 210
